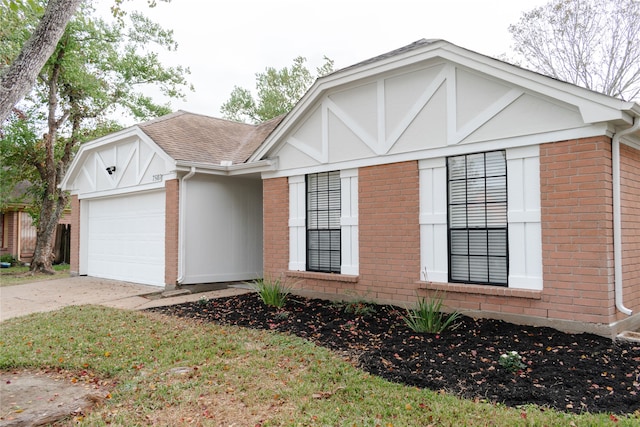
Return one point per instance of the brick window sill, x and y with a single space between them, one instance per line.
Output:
333 277
481 290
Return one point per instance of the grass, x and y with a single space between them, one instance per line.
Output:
18 275
235 376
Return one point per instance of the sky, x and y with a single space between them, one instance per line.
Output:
226 42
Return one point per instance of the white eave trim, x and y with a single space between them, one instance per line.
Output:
231 170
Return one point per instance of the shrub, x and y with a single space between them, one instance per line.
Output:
273 292
8 258
428 317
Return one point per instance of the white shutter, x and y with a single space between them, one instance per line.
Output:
297 224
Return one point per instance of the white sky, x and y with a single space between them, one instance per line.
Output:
226 42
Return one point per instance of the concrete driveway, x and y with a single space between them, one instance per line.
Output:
50 295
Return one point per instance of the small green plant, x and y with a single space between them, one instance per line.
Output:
511 361
8 258
203 300
357 306
428 317
273 292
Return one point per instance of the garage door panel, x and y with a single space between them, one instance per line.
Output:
126 238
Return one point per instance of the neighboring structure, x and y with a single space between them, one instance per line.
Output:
18 234
430 168
169 202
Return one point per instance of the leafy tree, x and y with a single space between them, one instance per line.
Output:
20 76
590 43
97 69
278 91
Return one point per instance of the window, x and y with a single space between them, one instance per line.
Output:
323 222
477 218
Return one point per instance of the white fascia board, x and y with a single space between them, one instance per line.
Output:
122 135
120 191
232 170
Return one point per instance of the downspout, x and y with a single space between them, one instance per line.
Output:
617 216
182 197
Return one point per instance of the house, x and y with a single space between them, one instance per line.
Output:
169 202
428 169
18 234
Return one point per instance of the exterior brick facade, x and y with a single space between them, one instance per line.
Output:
630 201
10 232
389 230
275 210
577 241
577 230
171 236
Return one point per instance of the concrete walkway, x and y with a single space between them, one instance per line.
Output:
20 300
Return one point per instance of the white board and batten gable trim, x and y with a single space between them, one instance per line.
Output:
349 250
429 102
140 165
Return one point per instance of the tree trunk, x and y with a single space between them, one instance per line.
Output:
52 209
18 79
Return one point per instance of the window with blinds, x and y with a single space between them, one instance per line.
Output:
477 218
323 222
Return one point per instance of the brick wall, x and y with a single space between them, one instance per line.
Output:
388 229
577 239
10 233
630 201
577 244
171 236
276 226
577 230
389 209
74 262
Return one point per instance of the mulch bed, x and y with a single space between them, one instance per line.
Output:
568 372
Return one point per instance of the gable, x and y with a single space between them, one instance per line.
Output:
431 101
437 106
137 160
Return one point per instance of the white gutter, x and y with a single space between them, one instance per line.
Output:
617 216
182 197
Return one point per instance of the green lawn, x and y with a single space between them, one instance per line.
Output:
18 275
235 376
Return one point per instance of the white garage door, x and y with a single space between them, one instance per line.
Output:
126 238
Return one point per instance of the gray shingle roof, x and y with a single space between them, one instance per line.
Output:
196 138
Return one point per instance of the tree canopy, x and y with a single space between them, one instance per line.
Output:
278 91
591 43
97 71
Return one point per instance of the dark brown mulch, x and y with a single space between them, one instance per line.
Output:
568 372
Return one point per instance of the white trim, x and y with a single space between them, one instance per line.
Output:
452 150
122 191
